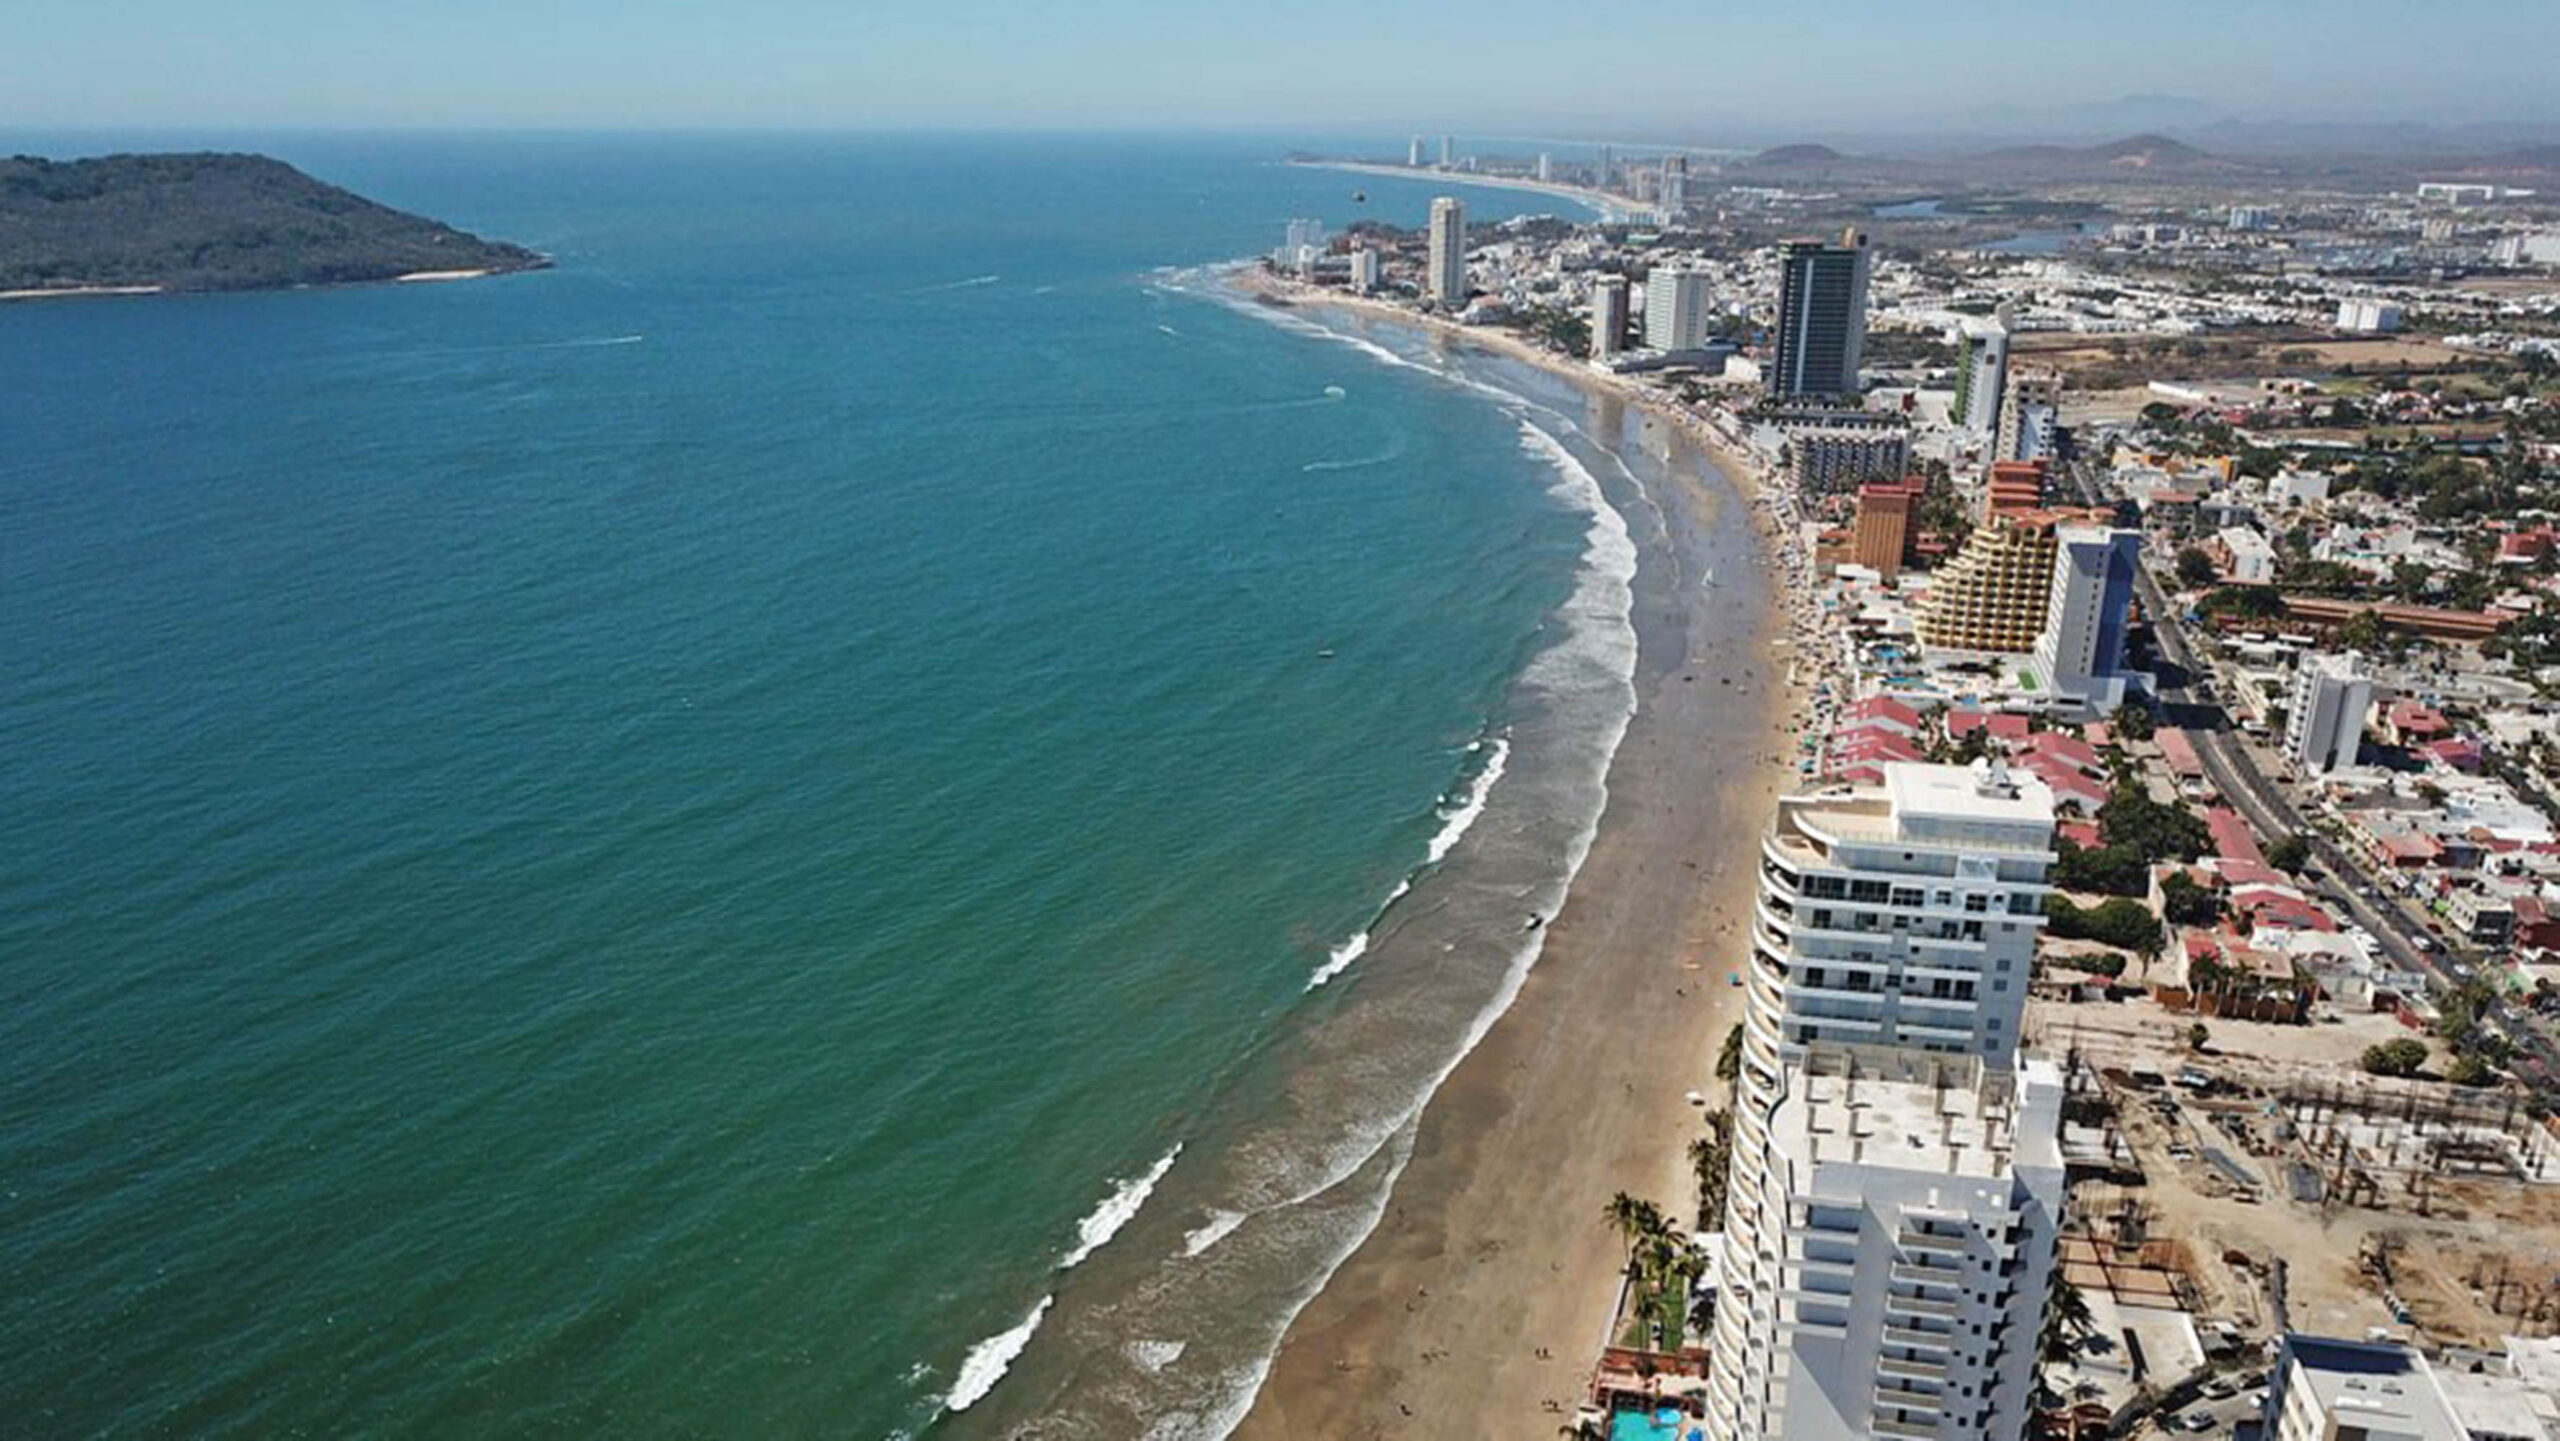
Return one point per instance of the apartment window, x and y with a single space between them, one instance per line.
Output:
1977 904
1859 980
1905 897
1943 898
1870 892
1813 976
2000 984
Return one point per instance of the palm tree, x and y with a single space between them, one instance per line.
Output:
1632 1218
2066 1321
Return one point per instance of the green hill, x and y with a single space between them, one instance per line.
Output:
213 222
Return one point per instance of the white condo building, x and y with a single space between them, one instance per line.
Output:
1982 373
2080 654
1447 278
2324 717
1608 317
1897 1182
1675 308
1413 153
1366 271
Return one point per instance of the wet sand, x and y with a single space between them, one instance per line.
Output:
1479 1303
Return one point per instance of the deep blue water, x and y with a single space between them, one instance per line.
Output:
628 850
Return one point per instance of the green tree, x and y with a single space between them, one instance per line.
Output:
2394 1058
2195 568
2133 721
1729 1058
2289 853
2067 1321
2198 1036
2184 903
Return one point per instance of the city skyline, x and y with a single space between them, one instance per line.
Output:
796 63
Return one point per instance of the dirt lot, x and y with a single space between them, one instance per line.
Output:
2467 1260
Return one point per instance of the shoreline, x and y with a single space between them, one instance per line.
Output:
1613 209
1479 1300
414 277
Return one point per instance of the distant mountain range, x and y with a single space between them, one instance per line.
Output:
213 222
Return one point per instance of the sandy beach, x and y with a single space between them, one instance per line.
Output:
1479 1303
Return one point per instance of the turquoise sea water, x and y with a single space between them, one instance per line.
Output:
673 846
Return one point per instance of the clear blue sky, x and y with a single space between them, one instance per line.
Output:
1373 64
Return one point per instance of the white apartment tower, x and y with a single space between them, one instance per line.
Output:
1675 308
2030 408
1413 153
1982 374
1608 317
2080 655
2324 718
1897 1181
1546 168
1365 271
1446 281
1448 151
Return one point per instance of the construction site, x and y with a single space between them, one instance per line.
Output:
2262 1182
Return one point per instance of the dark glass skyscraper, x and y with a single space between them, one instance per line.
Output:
1822 317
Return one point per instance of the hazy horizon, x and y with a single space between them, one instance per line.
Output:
1638 67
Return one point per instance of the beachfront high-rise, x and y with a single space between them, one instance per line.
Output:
1448 151
1413 153
1366 271
1993 597
1446 280
1608 317
1896 1182
1675 308
1982 373
1822 317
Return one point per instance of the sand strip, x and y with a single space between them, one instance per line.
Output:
1478 1304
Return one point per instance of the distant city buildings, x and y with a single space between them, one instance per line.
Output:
1982 374
1445 280
1413 153
1366 271
2251 217
1546 168
2368 317
2324 717
1302 245
1675 308
1448 150
1822 317
1608 317
1673 194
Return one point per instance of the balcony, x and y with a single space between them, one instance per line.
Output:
1907 1275
1901 1400
1911 1238
1920 1370
1901 1430
1900 1305
1904 1336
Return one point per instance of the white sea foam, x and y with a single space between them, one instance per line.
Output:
972 281
1222 1224
987 1361
1454 823
1339 959
1117 1209
1335 392
1167 329
1155 1355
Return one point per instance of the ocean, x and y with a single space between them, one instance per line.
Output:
865 811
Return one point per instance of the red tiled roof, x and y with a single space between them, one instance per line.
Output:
1885 709
2008 727
2179 752
2070 750
2232 838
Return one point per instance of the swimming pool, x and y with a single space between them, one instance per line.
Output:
1652 1426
